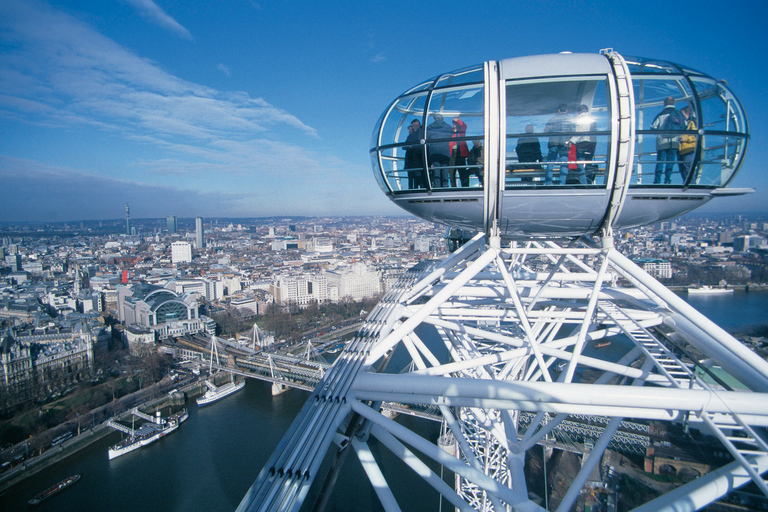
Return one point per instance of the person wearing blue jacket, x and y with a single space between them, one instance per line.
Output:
439 153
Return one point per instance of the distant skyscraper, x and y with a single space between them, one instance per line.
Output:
199 238
741 243
127 219
173 225
13 261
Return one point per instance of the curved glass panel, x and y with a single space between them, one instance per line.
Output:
377 129
421 87
474 173
720 109
672 119
691 71
651 94
403 112
470 75
391 163
455 118
719 158
665 116
377 172
404 168
558 131
465 102
159 295
639 65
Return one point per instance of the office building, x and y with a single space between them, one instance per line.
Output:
173 225
199 235
181 252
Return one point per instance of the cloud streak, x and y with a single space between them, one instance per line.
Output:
139 129
60 68
148 10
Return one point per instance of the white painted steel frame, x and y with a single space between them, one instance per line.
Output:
519 325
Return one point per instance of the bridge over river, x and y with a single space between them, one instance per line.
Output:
306 371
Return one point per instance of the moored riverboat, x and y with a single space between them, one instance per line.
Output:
54 490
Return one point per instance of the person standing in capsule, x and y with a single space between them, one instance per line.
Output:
667 144
439 152
687 143
558 145
459 153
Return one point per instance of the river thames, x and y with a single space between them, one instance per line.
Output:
208 464
212 459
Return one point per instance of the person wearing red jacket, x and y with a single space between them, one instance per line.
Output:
459 153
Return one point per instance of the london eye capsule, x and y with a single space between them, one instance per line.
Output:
560 145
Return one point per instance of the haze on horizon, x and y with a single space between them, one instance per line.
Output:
266 109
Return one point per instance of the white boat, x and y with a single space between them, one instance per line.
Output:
218 392
147 434
708 290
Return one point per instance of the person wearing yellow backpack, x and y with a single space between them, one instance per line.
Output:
687 144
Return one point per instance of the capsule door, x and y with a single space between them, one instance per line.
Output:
556 133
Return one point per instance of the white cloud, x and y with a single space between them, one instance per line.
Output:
239 152
224 69
56 69
154 14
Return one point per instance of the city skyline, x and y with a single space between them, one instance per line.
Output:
262 110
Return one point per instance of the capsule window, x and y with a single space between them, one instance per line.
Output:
401 135
679 127
661 127
394 130
719 108
454 137
558 132
718 159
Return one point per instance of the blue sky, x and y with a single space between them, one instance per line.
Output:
242 108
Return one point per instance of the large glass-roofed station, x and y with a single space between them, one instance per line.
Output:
560 144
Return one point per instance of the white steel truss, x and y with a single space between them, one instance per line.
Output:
506 343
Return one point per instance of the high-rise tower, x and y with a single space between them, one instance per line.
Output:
199 238
127 219
173 224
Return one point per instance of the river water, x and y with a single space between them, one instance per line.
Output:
209 463
733 312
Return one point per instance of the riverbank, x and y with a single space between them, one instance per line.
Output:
756 287
33 465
